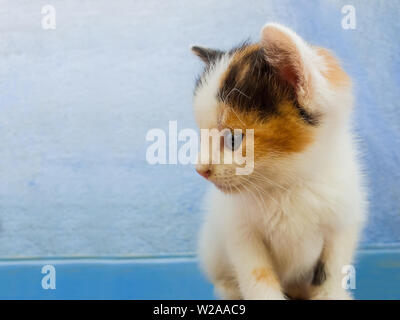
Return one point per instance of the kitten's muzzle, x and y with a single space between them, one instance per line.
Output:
204 171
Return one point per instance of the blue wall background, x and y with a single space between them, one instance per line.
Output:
76 104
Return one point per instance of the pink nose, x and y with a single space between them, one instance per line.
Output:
204 172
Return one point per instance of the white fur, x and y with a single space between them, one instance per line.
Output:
315 207
205 101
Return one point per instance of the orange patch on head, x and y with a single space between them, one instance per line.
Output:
245 51
334 72
282 133
285 133
266 275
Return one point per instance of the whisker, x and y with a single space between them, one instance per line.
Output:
265 192
253 195
264 178
259 189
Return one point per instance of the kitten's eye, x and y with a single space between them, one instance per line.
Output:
232 141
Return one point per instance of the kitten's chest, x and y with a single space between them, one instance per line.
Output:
294 241
291 230
294 251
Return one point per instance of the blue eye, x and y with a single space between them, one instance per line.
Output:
232 141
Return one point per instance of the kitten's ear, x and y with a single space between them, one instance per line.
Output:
290 56
206 54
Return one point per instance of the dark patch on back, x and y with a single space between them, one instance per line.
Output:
319 274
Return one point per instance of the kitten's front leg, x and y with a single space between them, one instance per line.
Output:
338 252
254 268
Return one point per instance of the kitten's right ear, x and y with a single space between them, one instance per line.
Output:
206 54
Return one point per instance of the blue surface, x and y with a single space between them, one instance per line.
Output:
77 102
377 277
126 278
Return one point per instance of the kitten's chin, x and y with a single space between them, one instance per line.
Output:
226 188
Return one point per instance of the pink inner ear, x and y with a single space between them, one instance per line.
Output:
282 53
289 74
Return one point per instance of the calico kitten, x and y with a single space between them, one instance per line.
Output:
287 229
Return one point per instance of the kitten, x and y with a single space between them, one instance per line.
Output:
286 229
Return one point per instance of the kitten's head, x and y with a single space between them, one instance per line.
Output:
291 94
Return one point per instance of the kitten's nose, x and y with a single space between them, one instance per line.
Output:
204 171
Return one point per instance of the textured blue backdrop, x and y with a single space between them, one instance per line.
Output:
76 103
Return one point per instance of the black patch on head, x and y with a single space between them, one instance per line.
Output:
211 56
242 45
319 274
311 119
251 84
